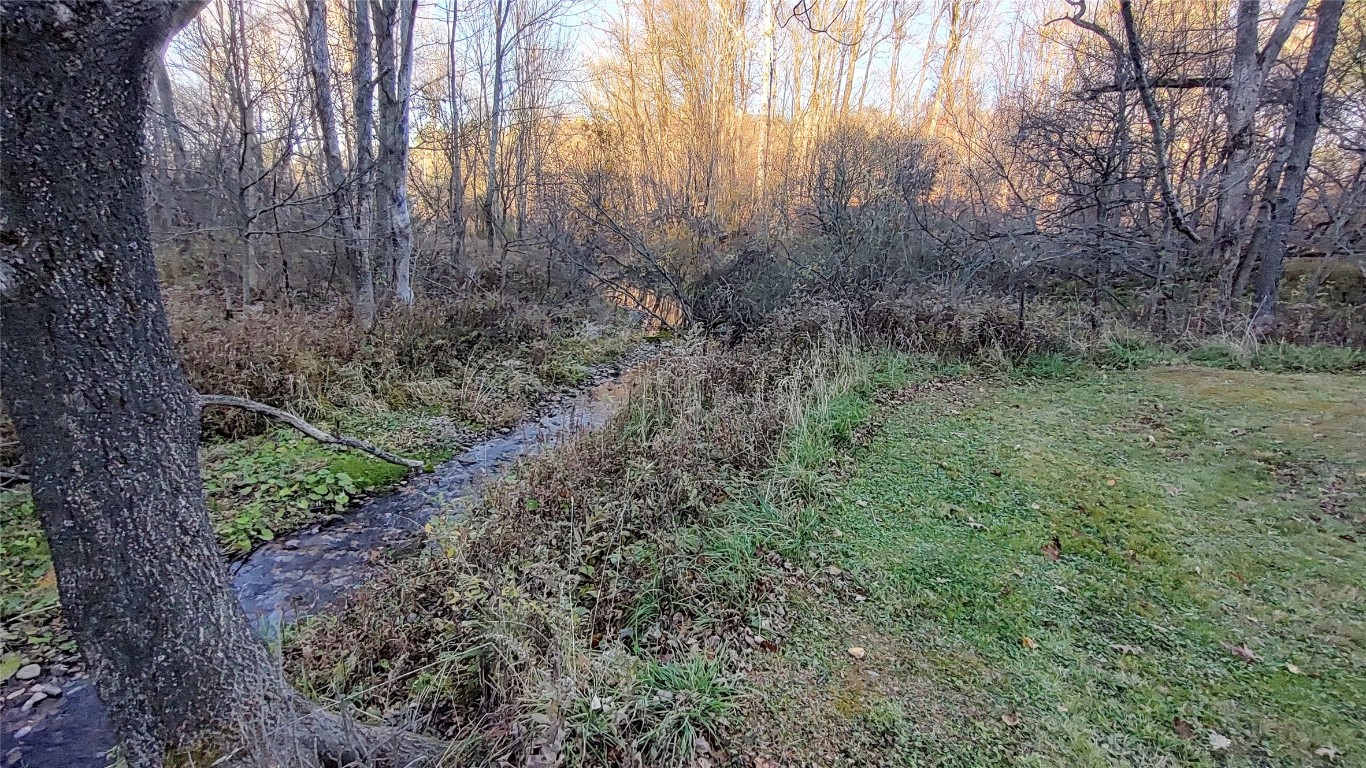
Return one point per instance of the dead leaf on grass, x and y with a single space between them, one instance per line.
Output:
1329 752
1011 719
858 652
1242 652
1053 549
1028 642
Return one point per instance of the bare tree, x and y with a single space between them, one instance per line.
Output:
395 70
320 69
1269 244
1248 72
363 111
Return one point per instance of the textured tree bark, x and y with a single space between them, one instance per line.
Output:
102 409
363 108
1308 100
320 71
395 71
1246 78
105 415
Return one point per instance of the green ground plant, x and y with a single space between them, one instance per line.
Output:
769 510
1147 568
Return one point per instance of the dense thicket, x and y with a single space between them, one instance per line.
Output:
702 162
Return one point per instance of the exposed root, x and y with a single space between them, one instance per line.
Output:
309 736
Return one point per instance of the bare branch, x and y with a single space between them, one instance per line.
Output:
253 406
1145 92
1176 83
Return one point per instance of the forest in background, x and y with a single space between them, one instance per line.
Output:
842 278
1186 165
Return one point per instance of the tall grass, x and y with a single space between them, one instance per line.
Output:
590 612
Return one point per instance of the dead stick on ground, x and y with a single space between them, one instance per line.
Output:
308 429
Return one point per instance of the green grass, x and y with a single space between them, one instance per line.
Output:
1187 514
26 583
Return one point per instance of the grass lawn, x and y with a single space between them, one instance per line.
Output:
1151 568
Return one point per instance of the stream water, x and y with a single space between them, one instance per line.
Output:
297 575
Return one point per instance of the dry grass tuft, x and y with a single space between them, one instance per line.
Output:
580 615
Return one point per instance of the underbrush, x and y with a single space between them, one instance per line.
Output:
1127 351
481 359
258 488
601 605
596 609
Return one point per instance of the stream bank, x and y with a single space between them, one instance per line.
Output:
303 573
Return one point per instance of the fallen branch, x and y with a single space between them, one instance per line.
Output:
308 429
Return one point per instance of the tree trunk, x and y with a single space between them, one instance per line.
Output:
363 85
106 417
1308 100
104 413
170 123
1246 78
456 154
249 161
320 70
395 84
502 10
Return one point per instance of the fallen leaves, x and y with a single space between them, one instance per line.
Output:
1053 549
1028 642
858 652
1011 719
1242 652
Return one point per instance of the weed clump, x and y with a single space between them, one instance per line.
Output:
593 609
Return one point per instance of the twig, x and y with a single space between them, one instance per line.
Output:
308 429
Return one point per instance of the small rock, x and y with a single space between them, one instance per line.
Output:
28 672
833 570
857 652
52 690
32 700
292 544
1218 742
22 732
